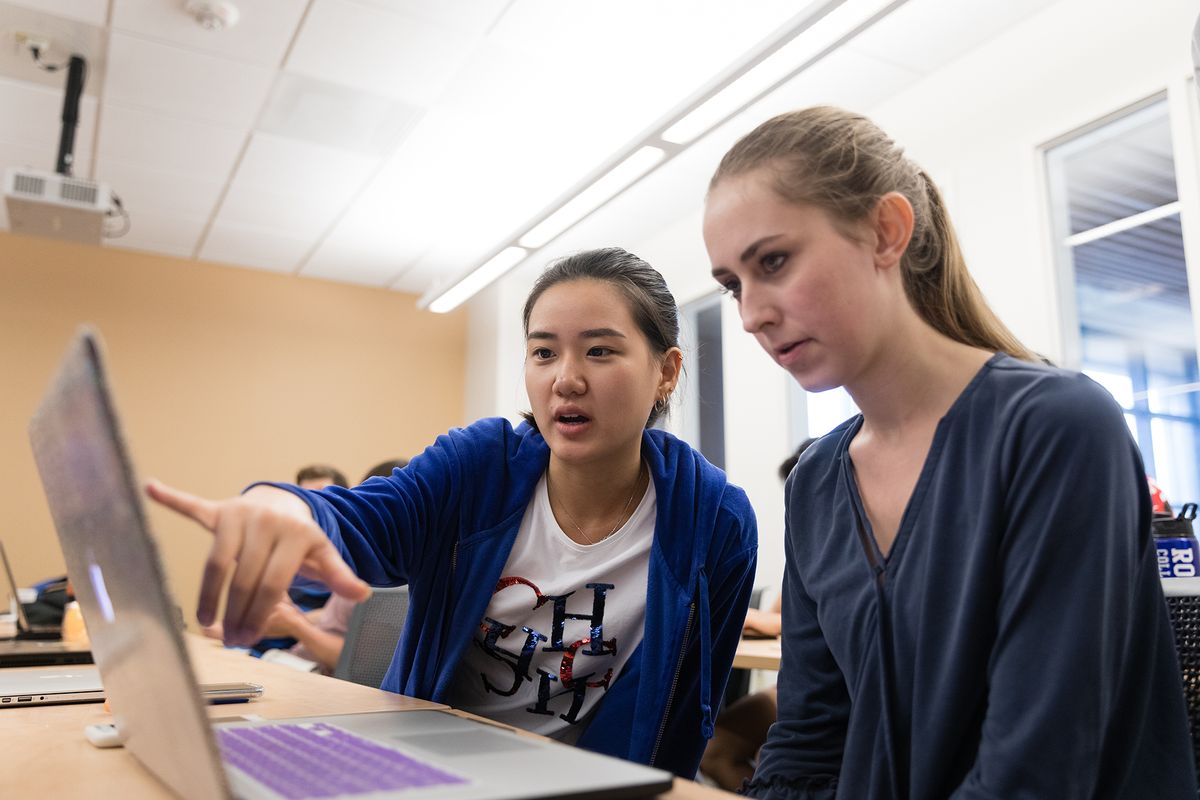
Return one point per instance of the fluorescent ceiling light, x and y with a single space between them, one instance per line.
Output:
475 280
594 196
822 28
846 20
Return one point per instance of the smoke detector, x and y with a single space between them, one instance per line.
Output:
213 15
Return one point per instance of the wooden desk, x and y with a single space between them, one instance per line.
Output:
757 654
46 755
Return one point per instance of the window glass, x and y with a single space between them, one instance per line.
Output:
703 412
1116 206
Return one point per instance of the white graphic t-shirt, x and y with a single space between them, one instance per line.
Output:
561 623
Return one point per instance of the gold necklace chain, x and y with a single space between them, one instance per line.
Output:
620 516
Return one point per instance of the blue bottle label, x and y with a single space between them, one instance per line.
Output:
1177 558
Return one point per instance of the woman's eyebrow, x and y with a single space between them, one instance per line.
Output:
749 252
590 333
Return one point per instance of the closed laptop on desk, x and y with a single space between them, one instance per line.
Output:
131 618
41 686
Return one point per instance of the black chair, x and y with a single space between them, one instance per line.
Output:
1183 601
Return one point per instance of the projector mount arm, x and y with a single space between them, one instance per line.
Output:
76 74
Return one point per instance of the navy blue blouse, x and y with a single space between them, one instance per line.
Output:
1015 641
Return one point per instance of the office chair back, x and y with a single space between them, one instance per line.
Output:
1183 600
371 636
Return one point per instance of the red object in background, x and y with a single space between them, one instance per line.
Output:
1157 499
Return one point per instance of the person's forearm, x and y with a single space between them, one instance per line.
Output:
763 622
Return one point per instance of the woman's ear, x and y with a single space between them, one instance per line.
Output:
892 221
672 367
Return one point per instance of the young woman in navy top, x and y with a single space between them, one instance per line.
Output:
971 600
583 575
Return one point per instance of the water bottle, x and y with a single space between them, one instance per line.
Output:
1175 541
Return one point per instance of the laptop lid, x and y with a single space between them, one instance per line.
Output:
132 621
24 629
118 577
43 686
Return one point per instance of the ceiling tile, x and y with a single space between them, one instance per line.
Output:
359 261
923 35
261 36
184 83
158 141
146 190
161 233
414 281
312 110
302 215
293 187
378 51
93 12
437 269
286 165
240 245
474 16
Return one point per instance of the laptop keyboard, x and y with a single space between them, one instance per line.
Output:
303 760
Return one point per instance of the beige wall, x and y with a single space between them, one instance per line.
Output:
222 375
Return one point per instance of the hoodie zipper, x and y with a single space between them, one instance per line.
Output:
687 635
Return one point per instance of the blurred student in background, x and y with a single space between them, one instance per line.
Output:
318 476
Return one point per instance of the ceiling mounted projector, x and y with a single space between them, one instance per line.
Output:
56 205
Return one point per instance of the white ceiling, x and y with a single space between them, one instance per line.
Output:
395 143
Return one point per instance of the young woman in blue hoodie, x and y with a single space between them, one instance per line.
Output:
971 601
583 575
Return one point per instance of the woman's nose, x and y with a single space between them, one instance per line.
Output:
569 379
757 310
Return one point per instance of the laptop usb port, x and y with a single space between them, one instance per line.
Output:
25 699
6 700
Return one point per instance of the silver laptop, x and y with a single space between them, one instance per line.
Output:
35 645
42 686
25 629
131 618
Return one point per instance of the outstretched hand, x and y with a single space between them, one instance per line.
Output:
267 536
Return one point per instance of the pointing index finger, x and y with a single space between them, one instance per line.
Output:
197 508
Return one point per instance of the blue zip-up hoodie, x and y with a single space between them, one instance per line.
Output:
446 523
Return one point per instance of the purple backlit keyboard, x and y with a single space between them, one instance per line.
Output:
301 760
